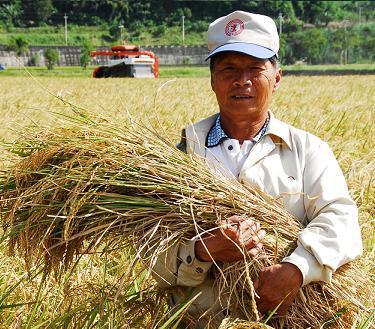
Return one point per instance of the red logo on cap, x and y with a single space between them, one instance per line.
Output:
234 27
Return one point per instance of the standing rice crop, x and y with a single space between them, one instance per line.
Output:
74 189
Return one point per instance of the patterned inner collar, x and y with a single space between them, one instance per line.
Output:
216 134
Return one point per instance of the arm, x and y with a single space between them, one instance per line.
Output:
227 243
187 264
332 236
178 266
330 239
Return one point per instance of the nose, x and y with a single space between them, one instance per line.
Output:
243 79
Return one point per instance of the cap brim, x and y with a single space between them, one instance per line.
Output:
244 48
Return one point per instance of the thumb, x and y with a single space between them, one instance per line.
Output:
256 284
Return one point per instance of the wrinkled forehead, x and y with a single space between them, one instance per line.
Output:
235 57
232 56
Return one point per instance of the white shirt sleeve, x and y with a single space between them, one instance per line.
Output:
332 236
179 266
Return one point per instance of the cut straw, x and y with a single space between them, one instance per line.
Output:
74 189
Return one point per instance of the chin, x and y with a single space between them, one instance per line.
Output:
242 111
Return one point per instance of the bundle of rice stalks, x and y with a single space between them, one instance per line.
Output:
74 189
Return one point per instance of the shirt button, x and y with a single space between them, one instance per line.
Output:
199 270
188 259
230 147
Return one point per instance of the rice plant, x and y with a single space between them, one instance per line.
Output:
332 119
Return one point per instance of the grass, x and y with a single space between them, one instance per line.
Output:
100 35
77 71
55 35
330 67
168 71
338 109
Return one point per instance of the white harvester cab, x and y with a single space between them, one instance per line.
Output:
125 61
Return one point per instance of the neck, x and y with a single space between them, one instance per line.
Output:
243 129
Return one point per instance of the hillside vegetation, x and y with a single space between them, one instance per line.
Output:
314 32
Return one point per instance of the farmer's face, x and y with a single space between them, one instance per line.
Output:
243 84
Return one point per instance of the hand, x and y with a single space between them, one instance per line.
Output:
227 242
277 284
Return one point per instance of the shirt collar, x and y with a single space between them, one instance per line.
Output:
216 134
279 129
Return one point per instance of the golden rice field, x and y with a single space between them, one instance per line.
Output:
339 109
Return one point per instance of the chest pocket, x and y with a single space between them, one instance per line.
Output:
281 179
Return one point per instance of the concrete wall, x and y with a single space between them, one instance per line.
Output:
70 56
179 55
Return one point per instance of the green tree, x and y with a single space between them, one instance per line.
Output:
34 60
37 11
11 13
367 43
51 56
85 57
318 12
85 60
19 45
310 45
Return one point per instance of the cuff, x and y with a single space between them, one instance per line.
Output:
191 272
310 268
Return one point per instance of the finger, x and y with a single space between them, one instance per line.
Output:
251 240
264 308
247 241
229 235
284 307
261 307
230 226
256 284
250 225
234 219
282 310
256 250
248 222
255 227
252 229
261 234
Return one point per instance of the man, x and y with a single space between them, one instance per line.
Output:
247 142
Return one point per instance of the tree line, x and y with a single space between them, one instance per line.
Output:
150 12
307 32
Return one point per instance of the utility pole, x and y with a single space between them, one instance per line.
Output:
66 29
183 29
359 23
121 27
280 24
346 45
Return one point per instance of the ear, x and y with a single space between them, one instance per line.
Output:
277 79
212 84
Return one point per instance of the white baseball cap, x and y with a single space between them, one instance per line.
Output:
247 33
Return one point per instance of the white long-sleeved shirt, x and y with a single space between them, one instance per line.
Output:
296 167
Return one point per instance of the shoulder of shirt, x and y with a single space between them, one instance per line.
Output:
201 127
204 124
292 136
280 132
196 132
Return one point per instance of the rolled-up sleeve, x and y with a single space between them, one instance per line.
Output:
332 236
178 266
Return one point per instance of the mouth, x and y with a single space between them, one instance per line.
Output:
239 97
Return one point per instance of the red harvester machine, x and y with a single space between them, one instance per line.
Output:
126 61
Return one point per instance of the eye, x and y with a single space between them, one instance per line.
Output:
257 68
